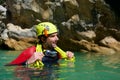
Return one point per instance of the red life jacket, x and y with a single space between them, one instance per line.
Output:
24 56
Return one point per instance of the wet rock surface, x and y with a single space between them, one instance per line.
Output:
84 25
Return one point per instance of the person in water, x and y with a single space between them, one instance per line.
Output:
46 50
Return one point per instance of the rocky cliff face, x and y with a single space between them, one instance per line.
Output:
84 24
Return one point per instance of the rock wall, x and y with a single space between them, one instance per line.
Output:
83 24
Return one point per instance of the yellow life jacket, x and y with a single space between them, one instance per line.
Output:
39 64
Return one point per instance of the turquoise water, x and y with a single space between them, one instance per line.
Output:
86 67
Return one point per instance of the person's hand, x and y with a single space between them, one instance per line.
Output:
70 54
34 57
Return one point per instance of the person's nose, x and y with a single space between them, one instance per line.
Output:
57 38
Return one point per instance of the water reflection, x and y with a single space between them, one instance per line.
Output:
29 74
87 66
48 72
92 62
112 61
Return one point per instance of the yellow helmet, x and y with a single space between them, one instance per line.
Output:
46 28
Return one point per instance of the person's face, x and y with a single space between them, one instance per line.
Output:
51 40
